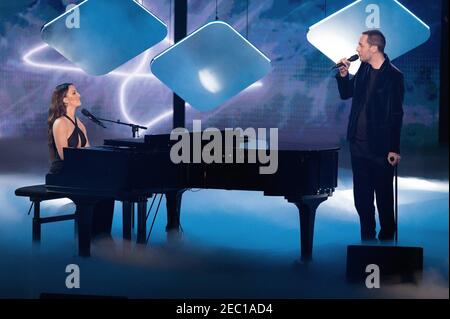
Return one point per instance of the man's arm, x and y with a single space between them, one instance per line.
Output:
345 84
397 114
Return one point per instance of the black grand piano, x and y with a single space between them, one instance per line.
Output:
133 170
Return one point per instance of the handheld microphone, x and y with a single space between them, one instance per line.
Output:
351 59
92 117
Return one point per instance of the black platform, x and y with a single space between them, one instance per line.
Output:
397 264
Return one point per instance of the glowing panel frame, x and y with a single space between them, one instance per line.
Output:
110 33
211 65
337 35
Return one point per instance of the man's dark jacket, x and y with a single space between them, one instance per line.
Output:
384 109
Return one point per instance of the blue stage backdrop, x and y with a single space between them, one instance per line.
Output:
299 96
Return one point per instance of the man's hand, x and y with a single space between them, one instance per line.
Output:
343 70
393 158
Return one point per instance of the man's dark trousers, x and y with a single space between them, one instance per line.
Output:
374 176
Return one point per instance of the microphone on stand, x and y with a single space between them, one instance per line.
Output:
134 127
92 117
350 59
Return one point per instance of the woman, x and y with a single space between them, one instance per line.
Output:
66 130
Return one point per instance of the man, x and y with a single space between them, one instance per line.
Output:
373 131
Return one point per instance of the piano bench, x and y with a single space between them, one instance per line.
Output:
38 194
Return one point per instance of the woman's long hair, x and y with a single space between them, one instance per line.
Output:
56 110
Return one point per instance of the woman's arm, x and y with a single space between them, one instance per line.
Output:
60 136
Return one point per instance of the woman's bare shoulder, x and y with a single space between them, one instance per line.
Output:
61 123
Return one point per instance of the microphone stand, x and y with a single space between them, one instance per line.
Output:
396 202
134 127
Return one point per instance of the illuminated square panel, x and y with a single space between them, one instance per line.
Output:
210 66
100 35
337 36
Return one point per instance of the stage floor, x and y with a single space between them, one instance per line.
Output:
235 245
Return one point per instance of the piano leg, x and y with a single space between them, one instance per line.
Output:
173 204
132 215
126 217
142 221
307 207
85 211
